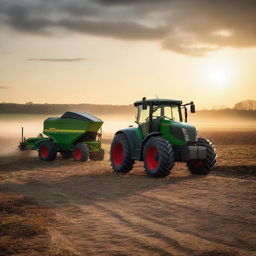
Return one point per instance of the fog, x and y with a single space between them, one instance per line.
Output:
10 126
222 123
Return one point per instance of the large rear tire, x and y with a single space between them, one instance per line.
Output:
120 154
158 157
203 166
80 152
47 151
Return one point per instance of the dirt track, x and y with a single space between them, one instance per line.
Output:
98 212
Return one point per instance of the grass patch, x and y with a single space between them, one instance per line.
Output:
24 228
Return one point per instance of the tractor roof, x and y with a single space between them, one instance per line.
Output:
159 102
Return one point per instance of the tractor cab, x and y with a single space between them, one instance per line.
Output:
150 113
154 115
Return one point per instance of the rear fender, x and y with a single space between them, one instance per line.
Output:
134 141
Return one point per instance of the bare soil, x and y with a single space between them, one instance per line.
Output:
93 211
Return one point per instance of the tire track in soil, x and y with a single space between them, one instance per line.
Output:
137 227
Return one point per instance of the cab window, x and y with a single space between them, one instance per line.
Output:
172 112
142 115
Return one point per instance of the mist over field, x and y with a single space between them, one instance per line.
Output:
10 125
10 128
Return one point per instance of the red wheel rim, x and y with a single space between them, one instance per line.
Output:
197 163
77 154
117 153
152 157
43 151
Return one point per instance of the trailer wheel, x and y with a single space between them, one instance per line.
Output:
47 151
120 154
203 166
80 152
158 157
97 156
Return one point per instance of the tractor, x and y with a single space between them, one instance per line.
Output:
74 134
162 138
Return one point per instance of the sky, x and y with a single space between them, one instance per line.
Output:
117 51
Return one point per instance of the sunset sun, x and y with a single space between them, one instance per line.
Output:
219 75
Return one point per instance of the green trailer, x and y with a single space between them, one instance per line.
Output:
74 134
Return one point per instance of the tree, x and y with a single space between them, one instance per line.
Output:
246 105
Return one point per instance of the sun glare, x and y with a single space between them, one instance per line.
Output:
219 74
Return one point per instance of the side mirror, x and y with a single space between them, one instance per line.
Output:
192 107
144 103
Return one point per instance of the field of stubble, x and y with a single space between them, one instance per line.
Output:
67 208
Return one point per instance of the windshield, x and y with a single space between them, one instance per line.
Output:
163 111
166 112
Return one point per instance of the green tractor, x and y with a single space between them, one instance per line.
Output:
161 139
73 134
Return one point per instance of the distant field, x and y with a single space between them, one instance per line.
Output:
86 209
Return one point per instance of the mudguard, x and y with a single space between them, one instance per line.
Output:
134 138
136 141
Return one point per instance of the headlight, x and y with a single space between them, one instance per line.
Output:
185 133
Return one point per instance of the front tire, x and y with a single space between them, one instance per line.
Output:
47 151
80 152
120 154
158 157
203 166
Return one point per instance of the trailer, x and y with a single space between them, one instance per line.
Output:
74 134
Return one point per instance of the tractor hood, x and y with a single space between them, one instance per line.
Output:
183 131
190 131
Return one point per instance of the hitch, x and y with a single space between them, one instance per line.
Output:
22 144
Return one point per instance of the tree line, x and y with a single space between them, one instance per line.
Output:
246 105
31 108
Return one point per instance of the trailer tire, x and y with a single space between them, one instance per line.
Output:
203 166
120 154
47 151
80 152
97 156
158 157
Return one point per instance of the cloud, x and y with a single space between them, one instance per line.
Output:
57 60
122 30
4 87
7 53
190 27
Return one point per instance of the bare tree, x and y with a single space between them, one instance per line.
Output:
246 105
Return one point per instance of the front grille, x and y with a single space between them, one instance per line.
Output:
192 135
